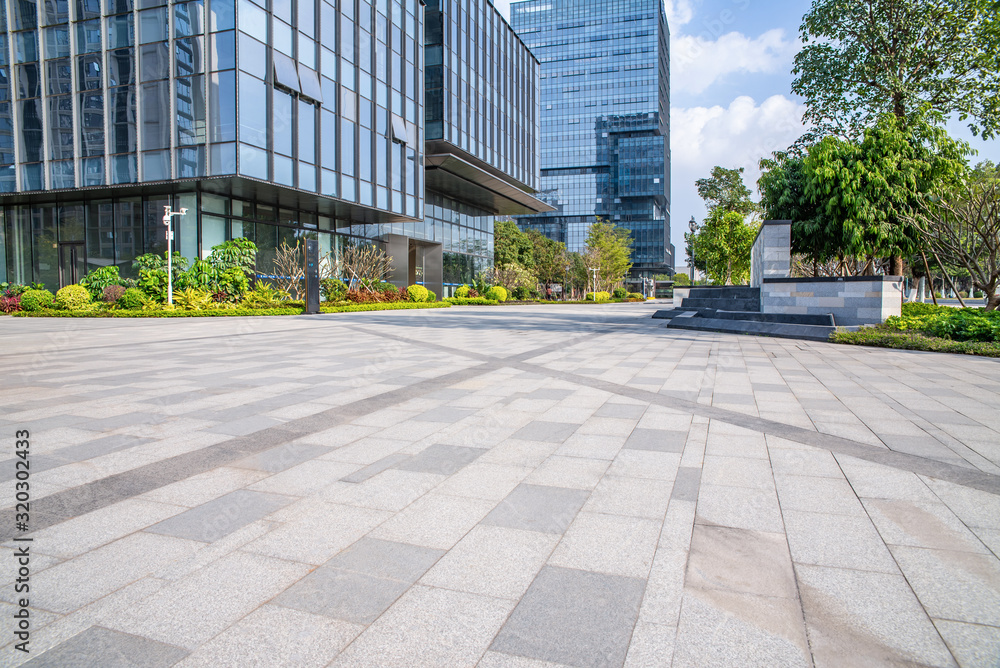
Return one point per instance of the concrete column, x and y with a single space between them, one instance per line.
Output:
434 268
398 248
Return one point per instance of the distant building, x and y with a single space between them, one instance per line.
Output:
605 111
266 123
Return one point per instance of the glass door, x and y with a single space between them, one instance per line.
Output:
72 264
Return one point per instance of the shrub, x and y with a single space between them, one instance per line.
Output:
132 299
16 289
35 300
636 297
153 282
521 293
363 296
232 282
201 275
10 303
918 309
471 301
236 253
619 293
100 278
193 300
597 297
263 296
72 298
394 294
462 292
496 293
418 293
333 289
112 293
149 261
966 324
431 297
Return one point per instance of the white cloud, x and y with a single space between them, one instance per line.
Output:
698 61
735 136
679 12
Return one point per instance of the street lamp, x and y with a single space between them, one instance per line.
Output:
594 272
167 219
693 226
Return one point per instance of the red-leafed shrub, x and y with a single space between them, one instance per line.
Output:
10 304
363 297
113 293
473 293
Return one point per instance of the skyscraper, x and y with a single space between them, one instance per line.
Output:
273 120
604 121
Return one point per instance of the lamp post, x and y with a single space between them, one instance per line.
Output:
594 272
693 226
168 216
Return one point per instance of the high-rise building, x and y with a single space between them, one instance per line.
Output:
605 112
274 120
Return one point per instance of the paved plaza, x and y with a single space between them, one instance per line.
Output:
520 486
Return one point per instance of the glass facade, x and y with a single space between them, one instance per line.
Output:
604 120
267 119
482 91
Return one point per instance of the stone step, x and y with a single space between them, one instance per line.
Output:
774 329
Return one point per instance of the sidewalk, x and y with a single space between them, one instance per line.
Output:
518 486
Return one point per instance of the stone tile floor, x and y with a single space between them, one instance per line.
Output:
521 486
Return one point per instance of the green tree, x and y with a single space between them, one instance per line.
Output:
609 251
511 245
549 257
962 226
725 190
725 241
862 59
849 198
681 280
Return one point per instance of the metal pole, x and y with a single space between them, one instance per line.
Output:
167 220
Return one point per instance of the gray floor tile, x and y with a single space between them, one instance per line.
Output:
449 414
660 440
220 517
441 459
98 646
548 432
538 508
373 470
282 457
347 595
573 617
386 559
629 411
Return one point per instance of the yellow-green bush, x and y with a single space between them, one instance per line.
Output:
496 292
35 300
193 300
73 298
418 293
462 292
598 296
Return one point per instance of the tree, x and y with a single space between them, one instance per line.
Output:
609 251
862 59
549 257
962 227
511 245
849 198
681 280
725 242
725 190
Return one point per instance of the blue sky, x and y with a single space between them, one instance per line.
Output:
731 100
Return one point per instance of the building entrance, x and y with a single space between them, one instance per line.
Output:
72 264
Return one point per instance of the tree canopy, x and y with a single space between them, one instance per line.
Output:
511 245
549 257
724 243
725 190
862 59
609 250
850 198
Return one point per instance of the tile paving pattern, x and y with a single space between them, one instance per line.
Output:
525 486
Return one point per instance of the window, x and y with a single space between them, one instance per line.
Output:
399 133
285 73
309 81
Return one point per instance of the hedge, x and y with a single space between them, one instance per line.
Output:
883 338
219 313
471 301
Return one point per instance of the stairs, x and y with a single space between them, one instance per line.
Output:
736 310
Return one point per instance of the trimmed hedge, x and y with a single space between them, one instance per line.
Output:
883 338
471 301
221 313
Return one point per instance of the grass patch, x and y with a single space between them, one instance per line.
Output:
883 337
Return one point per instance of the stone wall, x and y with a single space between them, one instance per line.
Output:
854 300
771 255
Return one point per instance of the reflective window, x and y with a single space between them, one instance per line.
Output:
283 170
188 53
120 31
92 123
282 119
285 73
223 15
87 9
191 110
55 11
156 166
122 110
92 170
90 72
253 114
60 79
29 82
153 25
60 127
347 147
26 46
191 162
189 18
57 42
61 174
222 102
307 132
154 61
31 130
121 67
88 37
309 81
155 100
253 20
124 169
118 6
222 53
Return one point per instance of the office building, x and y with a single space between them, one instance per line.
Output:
605 112
273 120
